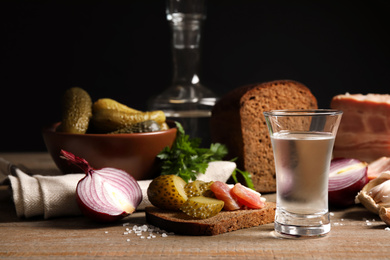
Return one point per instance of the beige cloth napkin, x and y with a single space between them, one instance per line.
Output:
55 196
50 196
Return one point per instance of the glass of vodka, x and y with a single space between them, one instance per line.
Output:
302 142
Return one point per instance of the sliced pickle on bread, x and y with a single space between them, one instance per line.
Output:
202 207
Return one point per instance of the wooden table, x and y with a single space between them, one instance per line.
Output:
355 234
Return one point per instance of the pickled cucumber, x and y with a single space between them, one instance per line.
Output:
108 103
141 127
164 126
198 188
202 207
109 120
76 111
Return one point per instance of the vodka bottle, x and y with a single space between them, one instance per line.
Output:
186 100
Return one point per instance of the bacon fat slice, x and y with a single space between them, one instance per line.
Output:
222 192
364 131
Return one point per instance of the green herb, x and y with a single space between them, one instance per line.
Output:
186 159
247 177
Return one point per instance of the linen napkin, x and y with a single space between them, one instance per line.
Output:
55 196
50 196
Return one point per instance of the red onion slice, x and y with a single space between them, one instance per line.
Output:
105 194
346 178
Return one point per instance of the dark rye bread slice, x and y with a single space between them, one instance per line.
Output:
225 221
238 122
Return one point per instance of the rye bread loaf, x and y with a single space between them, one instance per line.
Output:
238 122
225 221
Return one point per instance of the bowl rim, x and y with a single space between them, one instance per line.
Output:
51 128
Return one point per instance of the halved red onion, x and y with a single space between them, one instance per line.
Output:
346 178
106 194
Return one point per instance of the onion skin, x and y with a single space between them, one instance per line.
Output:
107 194
365 198
345 195
384 214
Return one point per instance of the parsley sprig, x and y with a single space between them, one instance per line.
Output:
247 177
186 159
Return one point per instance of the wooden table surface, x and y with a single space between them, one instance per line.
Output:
355 234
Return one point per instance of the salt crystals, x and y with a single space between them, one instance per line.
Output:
145 231
366 222
338 224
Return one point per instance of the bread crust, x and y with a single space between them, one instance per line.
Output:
225 221
238 122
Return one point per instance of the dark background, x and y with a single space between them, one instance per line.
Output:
121 50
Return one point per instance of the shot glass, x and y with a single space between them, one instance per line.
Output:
302 142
